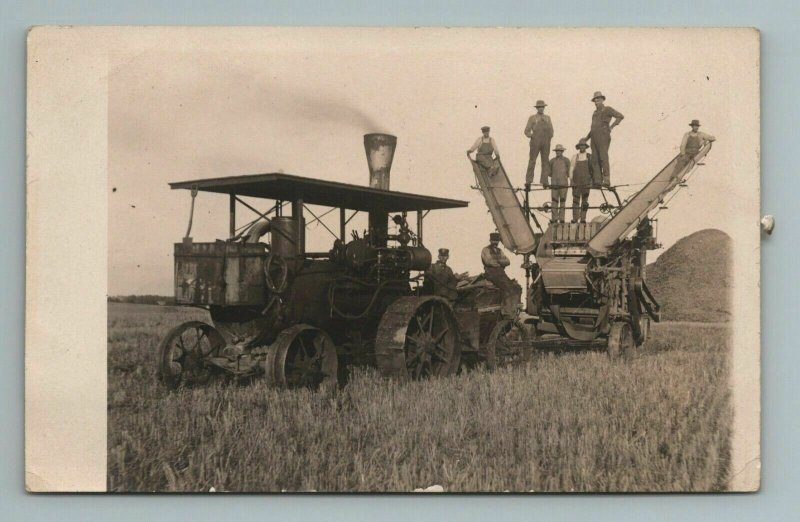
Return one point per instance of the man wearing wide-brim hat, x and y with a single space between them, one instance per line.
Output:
694 140
442 276
581 176
558 183
540 130
600 136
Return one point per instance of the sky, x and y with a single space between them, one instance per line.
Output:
207 104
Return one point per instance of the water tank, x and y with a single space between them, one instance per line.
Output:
287 237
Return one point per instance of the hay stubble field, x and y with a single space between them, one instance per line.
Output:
562 422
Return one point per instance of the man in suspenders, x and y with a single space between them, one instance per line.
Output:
581 176
485 146
694 140
559 184
600 135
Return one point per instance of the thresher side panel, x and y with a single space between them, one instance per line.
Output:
561 275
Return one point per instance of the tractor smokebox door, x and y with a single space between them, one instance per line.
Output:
220 273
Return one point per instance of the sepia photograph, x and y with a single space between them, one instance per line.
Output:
428 260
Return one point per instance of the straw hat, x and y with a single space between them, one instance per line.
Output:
598 94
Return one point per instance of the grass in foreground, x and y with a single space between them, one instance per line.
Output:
568 422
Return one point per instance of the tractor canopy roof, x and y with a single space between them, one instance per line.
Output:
286 187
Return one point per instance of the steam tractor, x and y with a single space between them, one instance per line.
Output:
585 281
300 317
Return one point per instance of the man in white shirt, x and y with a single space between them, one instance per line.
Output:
486 147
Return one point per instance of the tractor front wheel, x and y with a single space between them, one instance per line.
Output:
302 356
184 353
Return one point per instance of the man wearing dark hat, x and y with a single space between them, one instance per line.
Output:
485 146
581 176
559 184
540 130
600 135
442 276
494 263
694 140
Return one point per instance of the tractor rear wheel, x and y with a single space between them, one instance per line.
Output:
302 356
184 353
509 343
418 338
620 341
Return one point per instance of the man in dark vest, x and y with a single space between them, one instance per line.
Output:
540 130
442 276
581 176
559 184
600 135
486 146
494 263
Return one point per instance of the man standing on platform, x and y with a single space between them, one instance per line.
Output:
494 263
600 135
540 130
581 176
559 184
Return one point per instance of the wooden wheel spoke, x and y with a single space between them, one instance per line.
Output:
441 335
420 324
414 357
302 345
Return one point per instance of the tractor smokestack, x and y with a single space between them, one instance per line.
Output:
380 152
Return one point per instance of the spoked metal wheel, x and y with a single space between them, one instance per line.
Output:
509 343
418 338
184 353
301 357
620 341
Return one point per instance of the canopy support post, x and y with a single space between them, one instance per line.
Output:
232 207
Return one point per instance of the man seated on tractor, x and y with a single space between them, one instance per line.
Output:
494 263
443 280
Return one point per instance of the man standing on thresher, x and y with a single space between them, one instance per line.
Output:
442 276
600 135
486 146
540 130
494 263
581 175
558 183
